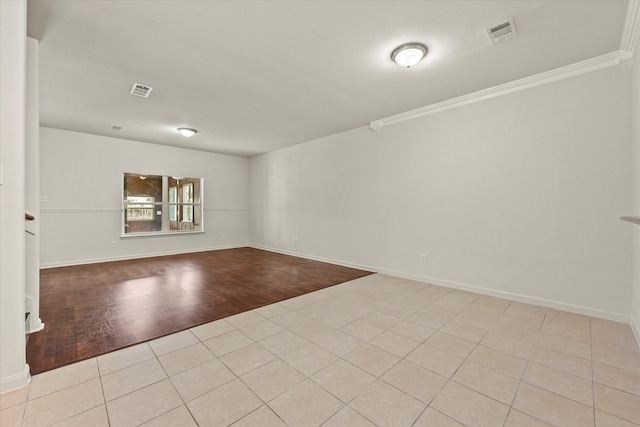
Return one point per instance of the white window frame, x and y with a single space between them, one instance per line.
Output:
163 209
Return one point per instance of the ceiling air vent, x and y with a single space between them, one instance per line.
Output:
140 90
502 32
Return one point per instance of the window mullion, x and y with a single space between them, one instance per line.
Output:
165 204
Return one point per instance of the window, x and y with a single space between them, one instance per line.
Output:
157 204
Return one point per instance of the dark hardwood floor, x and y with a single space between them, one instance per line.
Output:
93 309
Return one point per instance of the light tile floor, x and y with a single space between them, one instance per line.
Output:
376 351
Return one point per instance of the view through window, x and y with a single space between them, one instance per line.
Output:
157 204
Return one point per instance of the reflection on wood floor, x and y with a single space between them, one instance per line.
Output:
93 309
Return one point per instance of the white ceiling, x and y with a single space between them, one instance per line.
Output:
256 76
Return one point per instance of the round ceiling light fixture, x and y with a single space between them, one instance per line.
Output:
409 54
187 132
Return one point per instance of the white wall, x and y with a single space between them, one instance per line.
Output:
32 188
636 192
518 196
14 372
81 178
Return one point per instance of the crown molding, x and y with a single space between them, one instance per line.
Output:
583 67
631 31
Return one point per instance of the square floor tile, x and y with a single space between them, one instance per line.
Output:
12 415
338 343
224 405
385 405
241 320
577 388
470 407
263 417
562 361
247 358
96 417
62 378
185 359
616 378
394 343
515 345
347 417
451 344
499 361
176 417
272 310
143 405
202 379
212 329
131 379
464 331
272 379
412 330
14 397
414 380
372 359
627 360
124 358
283 342
307 404
435 360
618 403
565 345
520 419
62 404
343 380
261 330
226 343
362 330
521 321
607 420
173 342
432 418
309 359
552 408
491 383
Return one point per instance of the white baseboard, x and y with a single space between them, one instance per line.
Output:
587 311
578 309
136 256
316 258
16 381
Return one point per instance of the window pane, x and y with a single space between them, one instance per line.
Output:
142 203
173 198
136 185
190 218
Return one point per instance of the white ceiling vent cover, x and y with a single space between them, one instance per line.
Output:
502 32
140 90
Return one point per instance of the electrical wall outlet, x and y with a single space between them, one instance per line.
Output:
296 241
423 258
113 243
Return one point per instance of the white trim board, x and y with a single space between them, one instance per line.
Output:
116 210
583 67
16 381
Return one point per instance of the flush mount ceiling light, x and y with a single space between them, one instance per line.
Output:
408 54
187 132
